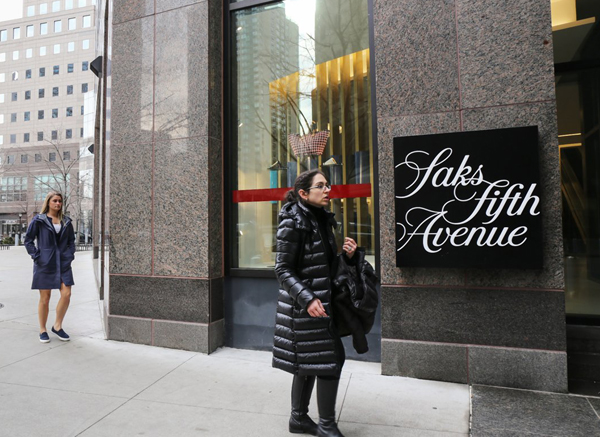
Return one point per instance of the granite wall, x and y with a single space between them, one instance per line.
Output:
460 65
166 274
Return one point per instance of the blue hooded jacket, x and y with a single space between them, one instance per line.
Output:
54 252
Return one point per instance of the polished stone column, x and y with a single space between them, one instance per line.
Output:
460 65
166 267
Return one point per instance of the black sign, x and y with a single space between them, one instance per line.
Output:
468 199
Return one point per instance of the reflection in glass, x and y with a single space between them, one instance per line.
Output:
576 38
301 100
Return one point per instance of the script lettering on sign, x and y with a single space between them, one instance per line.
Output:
468 199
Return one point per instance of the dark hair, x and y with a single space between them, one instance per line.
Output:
303 182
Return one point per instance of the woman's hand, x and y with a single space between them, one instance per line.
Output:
315 308
349 247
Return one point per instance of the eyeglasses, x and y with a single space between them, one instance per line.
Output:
320 187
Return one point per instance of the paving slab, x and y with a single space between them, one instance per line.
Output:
82 318
35 411
351 429
96 366
407 403
241 385
595 403
155 419
18 344
507 412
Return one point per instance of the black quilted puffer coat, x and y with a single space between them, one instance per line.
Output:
304 345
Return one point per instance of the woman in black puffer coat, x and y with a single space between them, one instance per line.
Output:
306 341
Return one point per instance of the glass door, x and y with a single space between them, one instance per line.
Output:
576 37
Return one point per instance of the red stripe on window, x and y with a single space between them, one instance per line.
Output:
270 194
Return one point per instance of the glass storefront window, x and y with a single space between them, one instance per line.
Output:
301 99
576 32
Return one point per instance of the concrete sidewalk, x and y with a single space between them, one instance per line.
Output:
93 387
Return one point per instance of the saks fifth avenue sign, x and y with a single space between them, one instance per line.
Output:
468 199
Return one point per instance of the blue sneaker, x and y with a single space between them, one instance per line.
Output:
62 335
44 337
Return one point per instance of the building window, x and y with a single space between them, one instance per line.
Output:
55 113
42 71
81 132
30 11
84 87
57 26
27 95
27 74
13 139
66 155
72 23
71 46
69 89
13 97
56 49
70 111
29 31
45 183
43 51
3 34
85 44
17 33
13 189
44 8
68 4
55 91
82 109
81 3
38 156
287 103
41 114
40 137
26 116
15 75
43 28
87 21
41 93
56 69
52 156
69 68
69 134
29 53
16 55
25 140
13 117
84 66
56 6
54 135
2 57
2 77
1 118
1 142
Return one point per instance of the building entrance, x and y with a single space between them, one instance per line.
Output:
576 37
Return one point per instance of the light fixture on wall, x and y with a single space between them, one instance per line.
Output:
564 15
96 66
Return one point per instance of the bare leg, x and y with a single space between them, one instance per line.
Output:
43 308
62 306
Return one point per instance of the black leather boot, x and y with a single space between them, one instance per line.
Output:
300 422
326 394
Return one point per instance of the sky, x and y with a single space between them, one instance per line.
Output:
11 9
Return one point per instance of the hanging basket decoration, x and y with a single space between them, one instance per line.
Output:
310 144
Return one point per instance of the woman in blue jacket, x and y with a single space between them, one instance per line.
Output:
55 238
